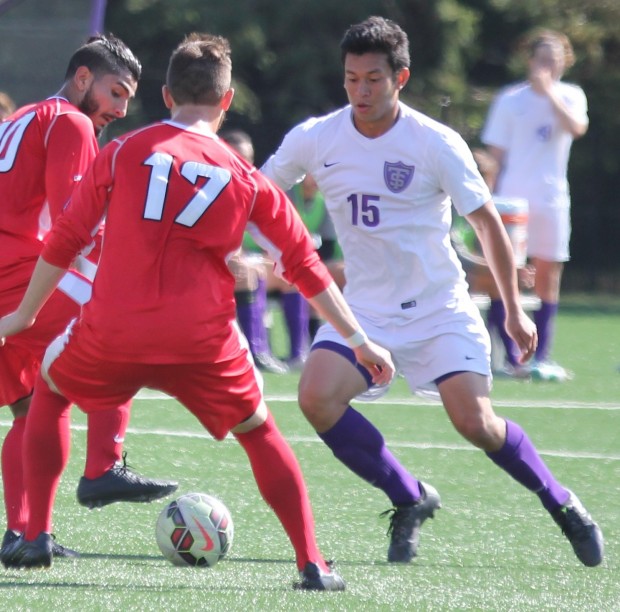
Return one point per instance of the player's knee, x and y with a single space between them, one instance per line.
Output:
479 431
318 406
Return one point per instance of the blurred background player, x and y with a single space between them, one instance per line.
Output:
481 281
529 131
45 149
310 205
250 283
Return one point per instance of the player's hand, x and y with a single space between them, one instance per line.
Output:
377 361
541 79
12 324
523 331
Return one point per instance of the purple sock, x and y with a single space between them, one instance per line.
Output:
262 332
297 316
360 446
250 317
497 318
544 318
261 294
520 459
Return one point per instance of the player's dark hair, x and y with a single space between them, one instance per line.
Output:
200 69
378 35
105 55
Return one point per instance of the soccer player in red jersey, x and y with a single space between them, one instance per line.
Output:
177 200
45 149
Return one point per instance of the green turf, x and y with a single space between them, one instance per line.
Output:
491 547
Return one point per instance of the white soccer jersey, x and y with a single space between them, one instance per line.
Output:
523 124
390 201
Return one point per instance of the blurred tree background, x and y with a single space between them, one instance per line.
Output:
286 65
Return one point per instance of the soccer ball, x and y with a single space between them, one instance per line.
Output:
195 529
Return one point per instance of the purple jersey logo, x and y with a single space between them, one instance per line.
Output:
544 133
397 176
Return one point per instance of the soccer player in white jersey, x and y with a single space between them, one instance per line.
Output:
529 131
389 175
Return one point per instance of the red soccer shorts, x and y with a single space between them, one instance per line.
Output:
21 356
221 395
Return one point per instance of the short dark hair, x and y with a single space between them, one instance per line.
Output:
200 70
105 55
378 35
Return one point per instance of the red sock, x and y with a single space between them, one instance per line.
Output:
47 441
12 477
282 486
105 437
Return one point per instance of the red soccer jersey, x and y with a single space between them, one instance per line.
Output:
176 203
44 149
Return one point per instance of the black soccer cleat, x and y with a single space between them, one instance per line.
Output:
58 550
405 523
29 555
582 532
121 484
313 578
62 552
9 537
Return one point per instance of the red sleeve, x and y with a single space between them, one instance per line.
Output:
71 146
74 228
276 217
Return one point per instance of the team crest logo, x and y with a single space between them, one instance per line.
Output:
544 133
397 176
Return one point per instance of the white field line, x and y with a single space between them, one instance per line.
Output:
415 401
418 401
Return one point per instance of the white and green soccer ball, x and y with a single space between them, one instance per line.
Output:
194 530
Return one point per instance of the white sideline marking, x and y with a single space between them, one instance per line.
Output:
413 401
392 444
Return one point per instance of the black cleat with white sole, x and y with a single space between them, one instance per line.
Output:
121 484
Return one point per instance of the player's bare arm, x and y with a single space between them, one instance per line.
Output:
498 252
44 280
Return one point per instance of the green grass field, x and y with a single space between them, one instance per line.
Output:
491 547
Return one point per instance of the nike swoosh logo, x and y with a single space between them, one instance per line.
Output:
205 534
469 358
326 165
118 439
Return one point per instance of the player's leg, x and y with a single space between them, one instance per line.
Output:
281 484
227 396
105 437
548 246
330 380
297 316
547 286
46 444
12 473
19 366
466 400
251 302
